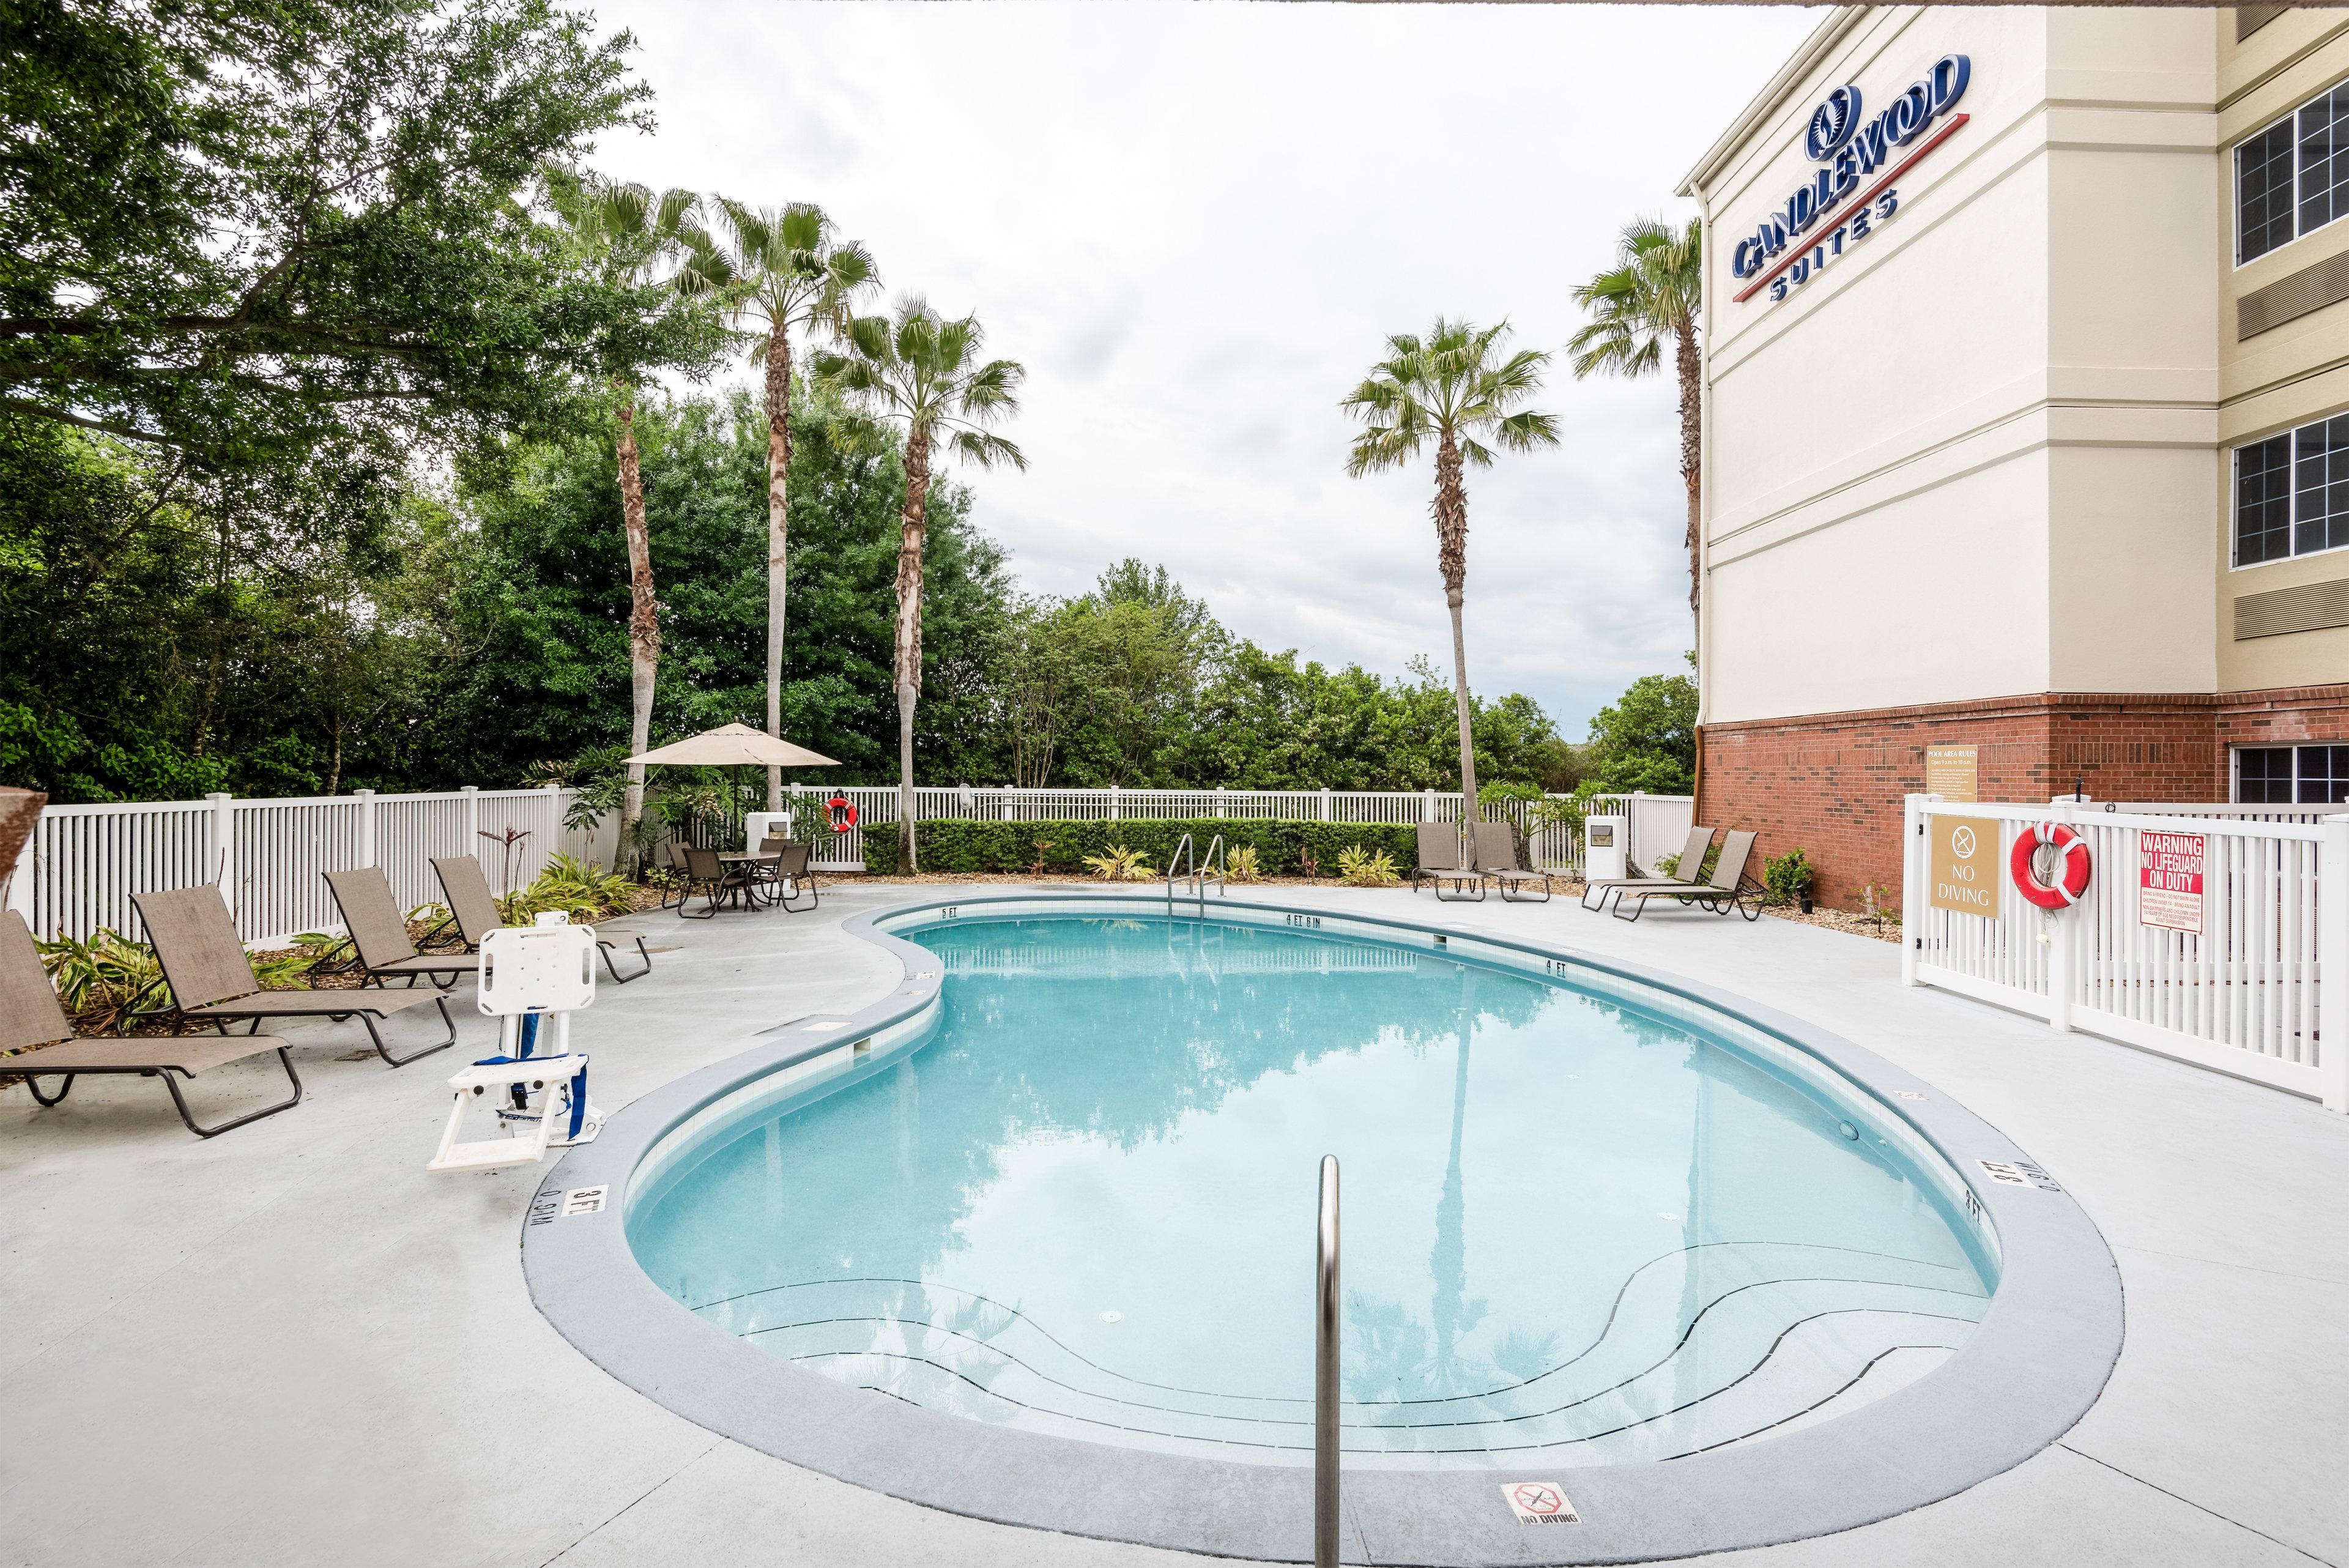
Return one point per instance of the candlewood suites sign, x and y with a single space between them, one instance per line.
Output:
1854 191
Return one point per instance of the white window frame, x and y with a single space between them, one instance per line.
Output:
2235 768
2235 179
2292 493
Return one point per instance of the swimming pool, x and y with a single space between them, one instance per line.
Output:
1578 1230
1030 1238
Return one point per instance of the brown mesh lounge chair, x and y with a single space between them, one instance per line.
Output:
1439 865
1727 888
474 910
378 939
1496 858
211 979
1700 839
30 1015
791 873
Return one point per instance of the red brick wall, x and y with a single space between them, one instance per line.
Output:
1832 782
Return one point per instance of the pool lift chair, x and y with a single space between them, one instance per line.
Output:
530 976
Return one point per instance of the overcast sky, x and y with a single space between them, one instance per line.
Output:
1196 224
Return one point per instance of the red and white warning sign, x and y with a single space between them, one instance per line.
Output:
2170 881
1539 1503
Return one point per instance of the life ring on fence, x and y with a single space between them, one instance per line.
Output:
843 812
2070 848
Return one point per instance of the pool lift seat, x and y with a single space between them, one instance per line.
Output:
530 976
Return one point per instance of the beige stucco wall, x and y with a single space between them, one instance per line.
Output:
2288 375
1973 456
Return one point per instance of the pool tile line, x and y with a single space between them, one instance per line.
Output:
2040 1356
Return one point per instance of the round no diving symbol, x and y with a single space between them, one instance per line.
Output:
1535 1498
1961 843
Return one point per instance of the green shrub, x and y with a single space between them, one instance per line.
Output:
1010 848
1787 877
1367 867
1118 864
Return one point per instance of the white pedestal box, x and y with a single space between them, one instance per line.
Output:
1606 849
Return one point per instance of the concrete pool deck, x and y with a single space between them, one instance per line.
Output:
290 1344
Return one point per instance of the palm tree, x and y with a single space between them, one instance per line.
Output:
785 268
1448 388
921 372
1653 292
633 234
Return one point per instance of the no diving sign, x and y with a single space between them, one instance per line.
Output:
1538 1502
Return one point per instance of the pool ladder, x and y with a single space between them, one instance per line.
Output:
1196 875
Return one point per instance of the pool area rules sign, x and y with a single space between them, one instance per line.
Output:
1965 869
2170 881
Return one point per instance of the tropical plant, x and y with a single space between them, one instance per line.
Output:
99 979
922 372
1449 388
1241 865
787 269
278 970
634 235
1654 291
1119 864
1366 869
571 886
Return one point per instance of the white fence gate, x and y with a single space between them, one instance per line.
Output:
2244 996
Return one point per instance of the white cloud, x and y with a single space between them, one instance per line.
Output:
1195 225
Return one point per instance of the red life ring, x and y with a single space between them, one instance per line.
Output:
843 812
2069 846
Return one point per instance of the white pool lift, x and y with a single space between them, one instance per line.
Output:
530 976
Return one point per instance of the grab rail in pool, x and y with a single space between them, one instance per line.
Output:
1325 1373
1180 858
1196 871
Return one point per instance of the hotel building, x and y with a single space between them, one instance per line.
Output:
2026 418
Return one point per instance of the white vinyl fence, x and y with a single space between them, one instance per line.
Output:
84 862
2243 996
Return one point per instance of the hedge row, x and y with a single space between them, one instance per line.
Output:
1282 847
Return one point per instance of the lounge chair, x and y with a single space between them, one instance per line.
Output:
1692 859
1439 863
30 1015
475 911
792 871
211 977
378 941
1496 858
1727 888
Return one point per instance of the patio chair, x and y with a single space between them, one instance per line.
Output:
1439 865
30 1014
211 979
793 872
378 939
716 881
1700 839
473 909
1727 888
1496 858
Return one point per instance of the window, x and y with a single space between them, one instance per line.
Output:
2292 776
2292 493
2292 178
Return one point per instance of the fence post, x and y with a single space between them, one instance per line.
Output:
2332 962
964 799
1113 801
2063 927
1325 805
472 819
223 855
1913 873
553 836
20 879
1427 805
365 797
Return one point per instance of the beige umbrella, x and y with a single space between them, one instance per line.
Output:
734 746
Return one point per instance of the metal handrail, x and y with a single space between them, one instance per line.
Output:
1325 1373
1211 869
1180 857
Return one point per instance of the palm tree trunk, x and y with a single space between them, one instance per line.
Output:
643 630
913 526
779 530
1692 374
1452 556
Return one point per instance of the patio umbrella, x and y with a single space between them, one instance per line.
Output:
734 746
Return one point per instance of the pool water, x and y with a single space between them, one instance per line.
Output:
1574 1232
